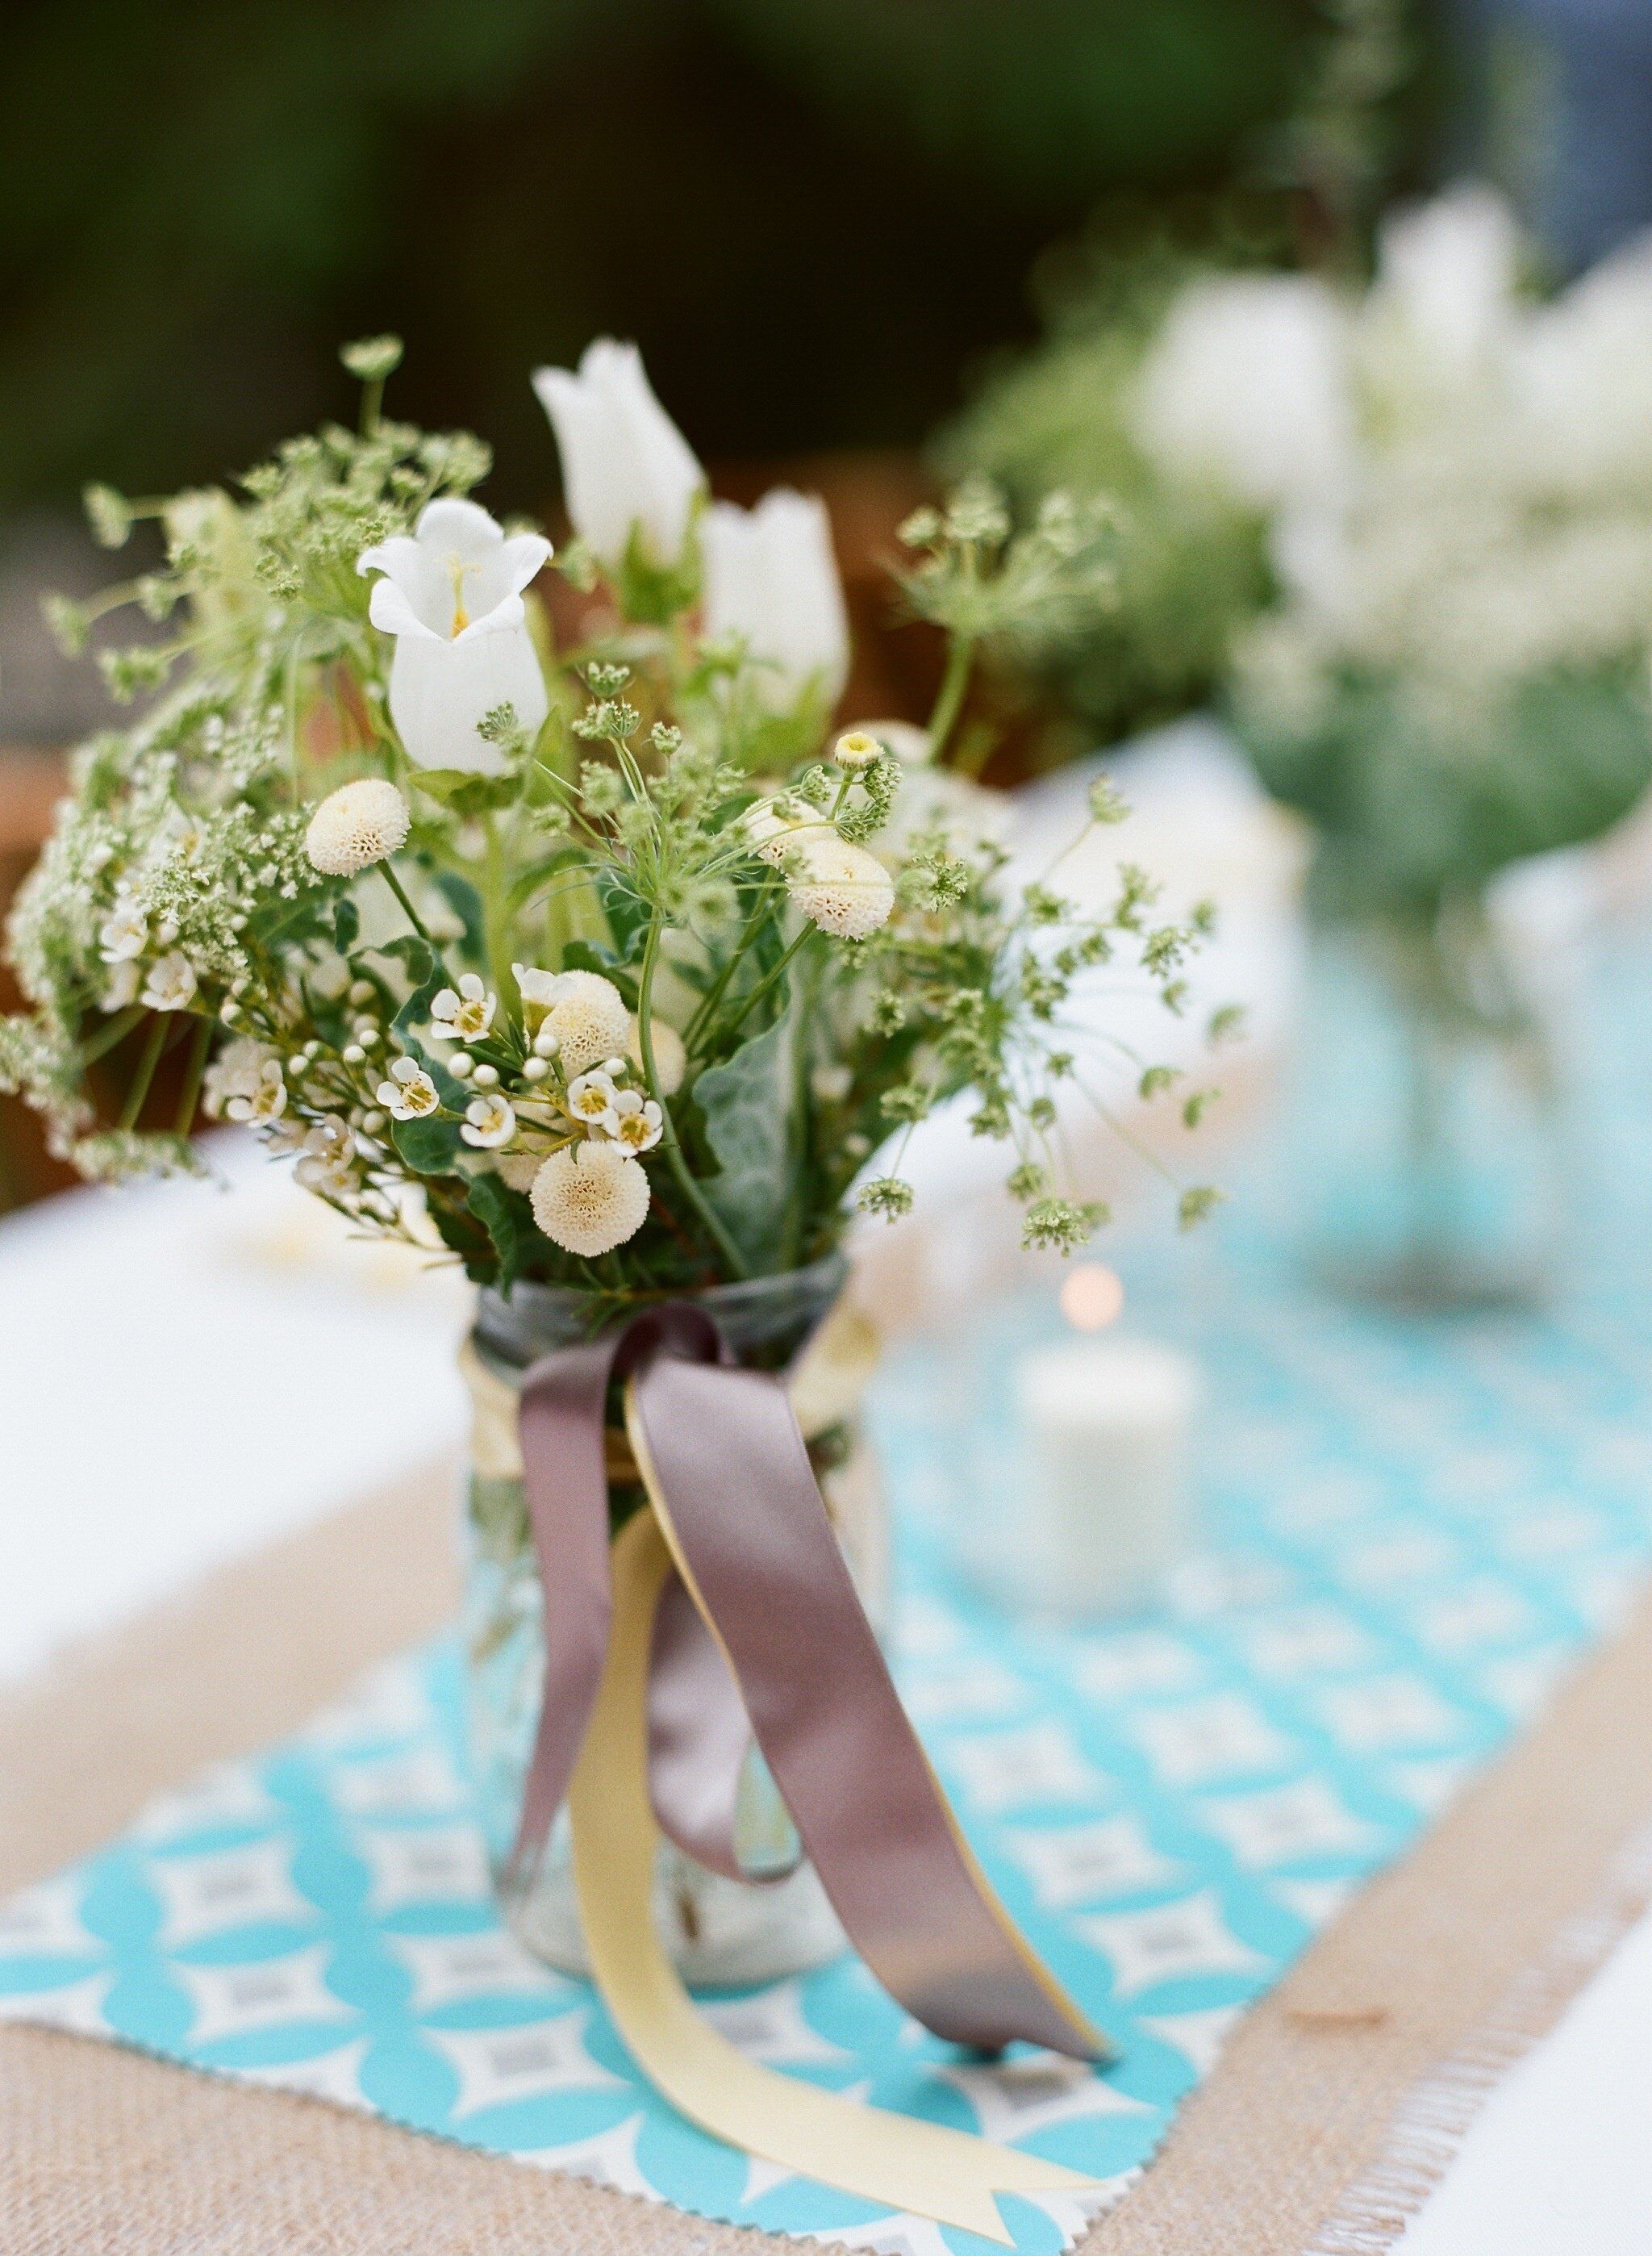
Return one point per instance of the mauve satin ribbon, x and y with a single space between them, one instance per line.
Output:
746 1517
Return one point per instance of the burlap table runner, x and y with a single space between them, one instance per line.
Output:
1334 2107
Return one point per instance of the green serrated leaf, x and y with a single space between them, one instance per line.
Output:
504 1215
746 1105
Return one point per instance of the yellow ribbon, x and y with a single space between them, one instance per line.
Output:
950 2176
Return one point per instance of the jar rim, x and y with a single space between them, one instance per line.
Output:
534 1318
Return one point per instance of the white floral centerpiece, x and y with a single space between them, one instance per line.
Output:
611 969
615 955
1452 473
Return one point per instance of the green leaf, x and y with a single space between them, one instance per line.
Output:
465 902
424 976
536 874
430 1147
464 792
504 1215
746 1105
347 924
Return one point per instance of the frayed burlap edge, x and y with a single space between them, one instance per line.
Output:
1334 2109
1342 2096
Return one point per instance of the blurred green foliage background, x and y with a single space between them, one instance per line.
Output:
815 216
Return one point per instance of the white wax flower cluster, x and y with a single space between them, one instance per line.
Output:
1456 476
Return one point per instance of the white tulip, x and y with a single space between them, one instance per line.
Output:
451 595
771 578
1446 273
1246 389
626 467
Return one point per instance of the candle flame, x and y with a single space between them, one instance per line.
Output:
1092 1297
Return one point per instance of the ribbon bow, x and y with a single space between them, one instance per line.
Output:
727 1611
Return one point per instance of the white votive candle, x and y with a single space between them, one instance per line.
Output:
1106 1509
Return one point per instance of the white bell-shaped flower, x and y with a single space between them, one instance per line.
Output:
626 467
451 595
771 578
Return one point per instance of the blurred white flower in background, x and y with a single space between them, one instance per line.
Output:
771 580
451 595
627 469
1446 278
1245 389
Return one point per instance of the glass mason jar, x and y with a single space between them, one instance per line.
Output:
1434 1177
715 1929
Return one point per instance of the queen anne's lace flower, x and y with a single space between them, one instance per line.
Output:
465 1016
590 1198
171 985
489 1123
843 889
355 826
410 1094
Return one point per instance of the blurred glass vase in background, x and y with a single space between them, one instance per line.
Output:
1430 1161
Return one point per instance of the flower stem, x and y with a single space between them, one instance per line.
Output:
714 994
408 910
960 659
674 1154
775 971
116 1031
146 1065
189 1096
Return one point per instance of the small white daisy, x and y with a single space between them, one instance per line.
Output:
410 1094
265 1100
637 1122
490 1122
464 1016
591 1099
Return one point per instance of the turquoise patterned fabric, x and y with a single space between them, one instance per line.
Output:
1415 1531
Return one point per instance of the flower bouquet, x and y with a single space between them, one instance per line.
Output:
608 972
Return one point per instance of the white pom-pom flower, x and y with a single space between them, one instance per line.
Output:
583 1017
843 889
590 1198
670 1059
355 826
856 748
463 1015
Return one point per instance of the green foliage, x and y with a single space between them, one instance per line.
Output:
745 1104
1410 805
